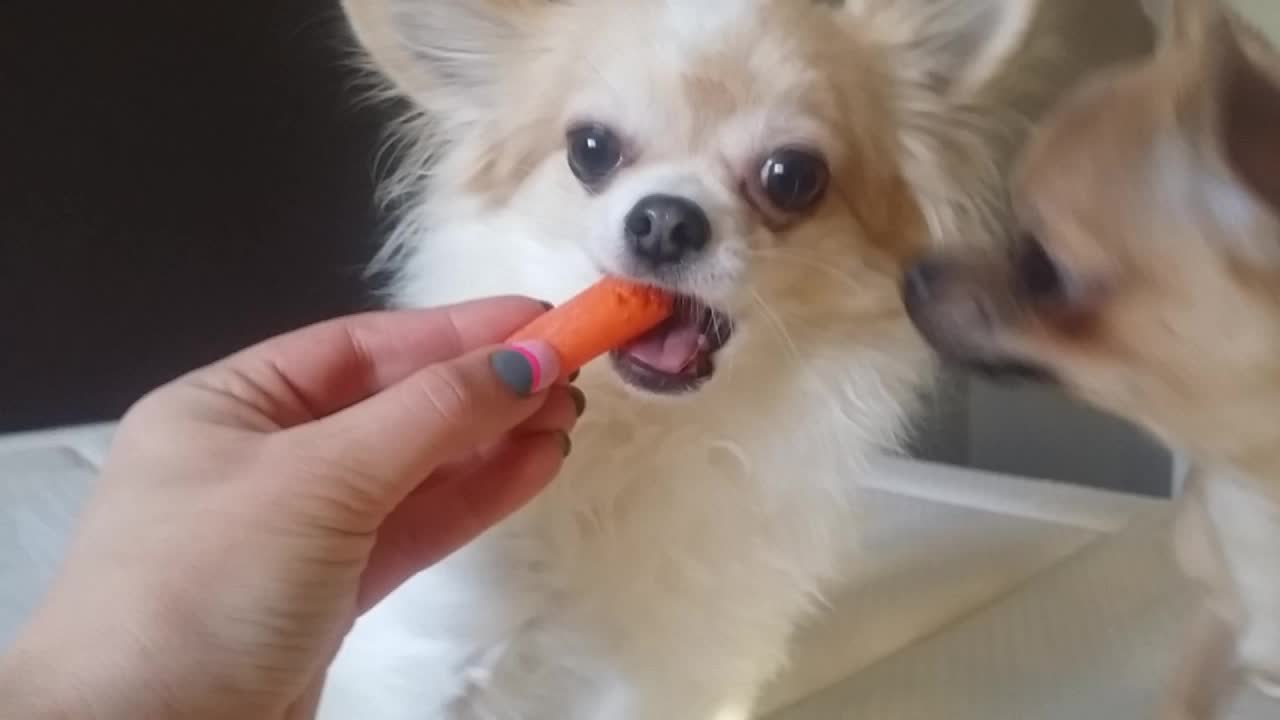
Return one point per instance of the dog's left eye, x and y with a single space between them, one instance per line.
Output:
794 180
595 152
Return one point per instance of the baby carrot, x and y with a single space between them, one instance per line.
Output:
601 318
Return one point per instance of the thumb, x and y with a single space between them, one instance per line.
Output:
386 445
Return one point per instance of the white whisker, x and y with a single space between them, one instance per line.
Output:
779 327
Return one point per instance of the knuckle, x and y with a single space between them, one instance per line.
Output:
446 393
147 409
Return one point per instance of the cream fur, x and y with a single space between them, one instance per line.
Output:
661 575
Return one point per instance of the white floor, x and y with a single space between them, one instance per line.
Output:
979 597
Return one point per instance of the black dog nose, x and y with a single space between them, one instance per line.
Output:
665 230
920 282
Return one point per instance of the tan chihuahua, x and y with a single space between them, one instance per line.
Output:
1145 277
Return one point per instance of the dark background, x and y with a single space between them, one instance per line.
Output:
176 180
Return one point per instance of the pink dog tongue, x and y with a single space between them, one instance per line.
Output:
669 350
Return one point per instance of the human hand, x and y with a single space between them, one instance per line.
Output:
249 511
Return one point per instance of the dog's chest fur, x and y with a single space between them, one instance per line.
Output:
659 568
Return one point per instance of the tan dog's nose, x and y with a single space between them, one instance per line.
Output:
920 280
963 312
947 306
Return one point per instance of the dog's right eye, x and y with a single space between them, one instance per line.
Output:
595 152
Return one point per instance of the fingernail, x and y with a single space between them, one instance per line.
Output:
579 400
546 305
573 377
527 368
566 444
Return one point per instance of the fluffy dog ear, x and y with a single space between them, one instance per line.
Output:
1223 78
955 46
448 55
1157 10
1171 17
942 54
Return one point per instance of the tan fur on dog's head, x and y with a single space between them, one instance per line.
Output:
699 96
1146 276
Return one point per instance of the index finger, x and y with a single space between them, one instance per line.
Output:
334 364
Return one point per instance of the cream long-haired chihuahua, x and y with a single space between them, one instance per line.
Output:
1146 279
772 162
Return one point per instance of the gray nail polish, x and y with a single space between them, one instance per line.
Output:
579 400
514 370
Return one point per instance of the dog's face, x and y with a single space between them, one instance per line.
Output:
1145 272
773 162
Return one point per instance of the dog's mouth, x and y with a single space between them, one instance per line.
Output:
678 356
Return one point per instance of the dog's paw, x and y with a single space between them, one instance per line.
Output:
1179 714
1192 710
1268 685
1260 658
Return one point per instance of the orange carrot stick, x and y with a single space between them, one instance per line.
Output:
603 317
